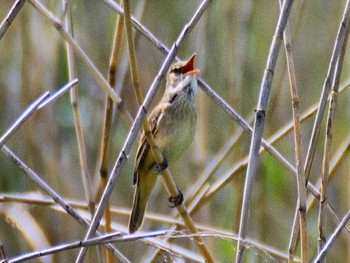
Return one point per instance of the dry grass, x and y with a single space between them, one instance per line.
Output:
273 115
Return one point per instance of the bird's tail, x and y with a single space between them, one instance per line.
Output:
144 187
138 211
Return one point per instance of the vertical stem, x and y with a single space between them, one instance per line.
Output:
259 125
76 113
103 158
301 202
328 144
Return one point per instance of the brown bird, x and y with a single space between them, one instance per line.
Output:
173 124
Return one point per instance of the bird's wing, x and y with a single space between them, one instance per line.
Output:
154 120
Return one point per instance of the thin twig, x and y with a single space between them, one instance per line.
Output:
103 239
5 24
301 201
338 156
328 143
74 100
68 23
259 124
325 90
107 123
59 93
37 104
123 66
23 117
332 238
103 159
311 200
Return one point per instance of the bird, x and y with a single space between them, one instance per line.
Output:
173 124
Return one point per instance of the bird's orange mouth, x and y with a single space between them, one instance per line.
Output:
192 72
187 69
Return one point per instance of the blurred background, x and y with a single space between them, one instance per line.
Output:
232 41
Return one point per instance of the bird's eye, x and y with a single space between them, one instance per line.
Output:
176 70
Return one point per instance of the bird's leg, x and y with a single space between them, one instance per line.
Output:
176 200
161 167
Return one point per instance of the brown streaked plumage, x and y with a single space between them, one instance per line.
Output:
172 123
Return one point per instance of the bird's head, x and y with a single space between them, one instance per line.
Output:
182 72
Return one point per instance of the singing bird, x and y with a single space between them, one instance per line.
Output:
173 124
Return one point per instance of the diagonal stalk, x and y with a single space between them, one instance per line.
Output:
332 238
5 24
325 91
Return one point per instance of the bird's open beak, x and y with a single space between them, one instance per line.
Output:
187 69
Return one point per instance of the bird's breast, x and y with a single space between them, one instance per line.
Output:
177 130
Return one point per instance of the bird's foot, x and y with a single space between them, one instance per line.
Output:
176 200
161 167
